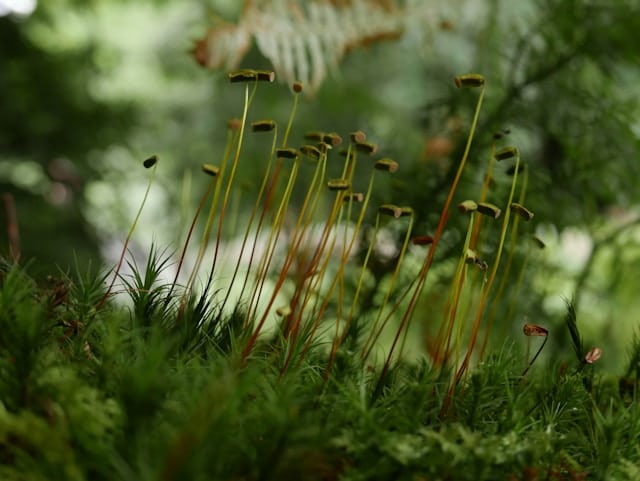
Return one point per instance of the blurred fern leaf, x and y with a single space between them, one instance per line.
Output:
305 39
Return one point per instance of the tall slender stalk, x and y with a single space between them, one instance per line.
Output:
252 216
229 181
470 80
151 162
232 136
507 269
485 294
444 334
377 328
278 221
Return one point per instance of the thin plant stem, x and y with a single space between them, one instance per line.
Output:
107 293
337 341
524 373
483 197
485 295
252 216
408 314
376 331
188 239
13 230
457 285
234 166
312 278
294 319
232 136
507 269
272 243
278 221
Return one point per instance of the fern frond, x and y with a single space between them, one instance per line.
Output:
305 39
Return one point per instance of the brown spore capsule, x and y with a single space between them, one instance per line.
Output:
150 162
287 153
469 80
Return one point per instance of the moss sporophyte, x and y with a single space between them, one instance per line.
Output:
291 351
308 275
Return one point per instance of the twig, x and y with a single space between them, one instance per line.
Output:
13 231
